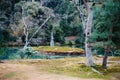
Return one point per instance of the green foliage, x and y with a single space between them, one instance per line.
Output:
4 36
65 26
53 3
106 17
117 52
34 15
5 12
70 28
9 53
13 56
2 51
79 42
28 52
66 7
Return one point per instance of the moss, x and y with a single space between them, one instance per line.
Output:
8 75
58 50
109 71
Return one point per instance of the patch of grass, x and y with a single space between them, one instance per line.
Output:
56 49
7 75
114 76
77 70
114 58
109 72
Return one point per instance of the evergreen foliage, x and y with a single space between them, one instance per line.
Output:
106 17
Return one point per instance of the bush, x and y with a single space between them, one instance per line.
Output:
26 53
117 52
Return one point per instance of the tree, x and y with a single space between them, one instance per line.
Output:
106 27
63 19
4 36
31 12
86 26
5 20
52 43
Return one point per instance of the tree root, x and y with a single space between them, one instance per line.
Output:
96 71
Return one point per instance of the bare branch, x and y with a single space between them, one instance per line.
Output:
40 27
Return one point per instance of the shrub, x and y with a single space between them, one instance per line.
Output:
117 52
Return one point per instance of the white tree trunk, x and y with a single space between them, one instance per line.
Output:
25 31
52 39
87 36
86 26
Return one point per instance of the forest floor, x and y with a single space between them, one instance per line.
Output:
60 69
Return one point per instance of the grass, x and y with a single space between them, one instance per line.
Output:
58 50
73 67
114 58
7 75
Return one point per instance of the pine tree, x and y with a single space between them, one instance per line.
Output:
106 27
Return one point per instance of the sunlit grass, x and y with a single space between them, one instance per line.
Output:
114 58
56 49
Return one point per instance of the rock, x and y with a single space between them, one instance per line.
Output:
1 61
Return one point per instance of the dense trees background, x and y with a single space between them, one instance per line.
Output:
66 25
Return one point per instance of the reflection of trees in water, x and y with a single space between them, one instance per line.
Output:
9 53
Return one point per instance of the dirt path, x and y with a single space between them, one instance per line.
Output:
28 72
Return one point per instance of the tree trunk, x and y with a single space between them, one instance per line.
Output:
26 35
86 26
107 49
26 38
104 63
51 39
87 36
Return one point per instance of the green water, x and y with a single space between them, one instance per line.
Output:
13 53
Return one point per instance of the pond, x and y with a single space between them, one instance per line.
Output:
13 53
9 53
